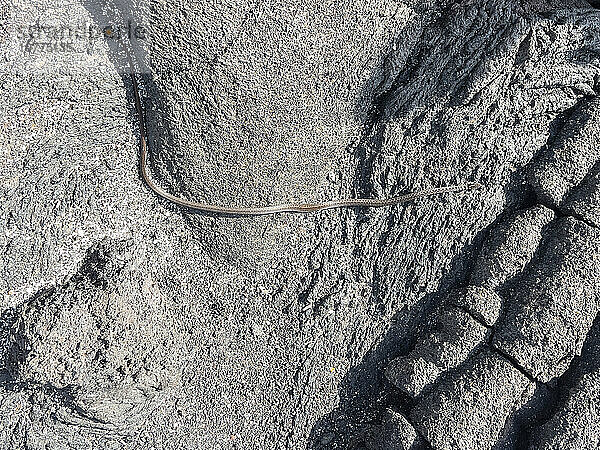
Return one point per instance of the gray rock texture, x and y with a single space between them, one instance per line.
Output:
575 426
395 433
575 423
483 304
572 156
510 247
129 323
454 338
471 409
585 201
555 303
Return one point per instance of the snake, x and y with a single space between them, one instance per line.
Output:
264 210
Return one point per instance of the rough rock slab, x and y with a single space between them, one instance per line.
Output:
483 304
577 424
471 408
570 159
510 247
394 433
268 318
584 202
575 420
455 336
277 328
554 304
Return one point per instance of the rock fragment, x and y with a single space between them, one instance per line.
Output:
567 163
453 339
470 409
555 303
395 433
510 247
585 201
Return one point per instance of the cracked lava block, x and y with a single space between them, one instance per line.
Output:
510 246
554 305
567 163
453 339
469 410
482 303
585 201
395 433
575 423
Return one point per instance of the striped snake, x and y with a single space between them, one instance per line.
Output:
264 210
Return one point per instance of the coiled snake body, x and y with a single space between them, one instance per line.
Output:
264 210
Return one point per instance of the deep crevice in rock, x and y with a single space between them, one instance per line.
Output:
514 363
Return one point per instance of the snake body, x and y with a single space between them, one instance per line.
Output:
264 210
